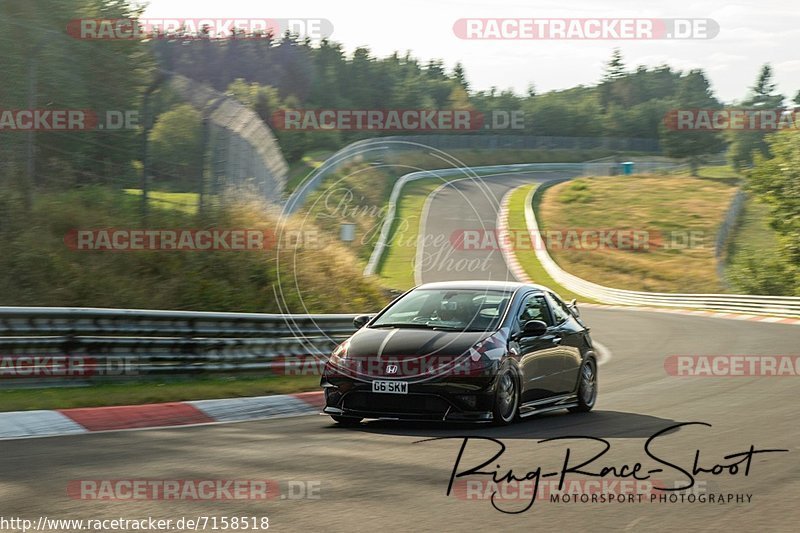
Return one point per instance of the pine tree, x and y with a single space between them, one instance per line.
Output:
615 68
460 76
763 92
763 97
614 74
694 94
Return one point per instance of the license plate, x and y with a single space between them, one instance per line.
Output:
390 387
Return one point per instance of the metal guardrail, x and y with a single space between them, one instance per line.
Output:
376 149
726 229
445 174
364 150
579 169
483 141
48 344
783 306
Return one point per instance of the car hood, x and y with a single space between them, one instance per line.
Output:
417 353
392 343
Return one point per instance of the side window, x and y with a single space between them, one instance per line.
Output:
534 308
560 311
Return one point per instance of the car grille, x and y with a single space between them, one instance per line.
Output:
395 403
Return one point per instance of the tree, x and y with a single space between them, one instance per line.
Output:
175 146
615 68
435 70
614 73
747 142
764 89
47 68
460 76
694 94
459 99
776 182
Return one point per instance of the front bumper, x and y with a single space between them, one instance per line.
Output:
466 400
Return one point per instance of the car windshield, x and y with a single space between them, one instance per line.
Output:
447 309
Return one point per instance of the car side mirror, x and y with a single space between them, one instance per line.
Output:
573 305
533 328
361 320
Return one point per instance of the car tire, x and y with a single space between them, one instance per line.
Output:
346 421
587 389
506 400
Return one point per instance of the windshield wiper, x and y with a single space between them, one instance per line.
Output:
417 325
401 325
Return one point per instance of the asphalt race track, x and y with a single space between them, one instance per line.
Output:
467 205
380 478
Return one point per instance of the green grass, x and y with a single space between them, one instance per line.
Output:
397 266
719 172
755 261
753 233
368 188
527 257
185 202
666 207
39 268
299 170
152 392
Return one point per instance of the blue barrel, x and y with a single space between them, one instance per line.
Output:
627 168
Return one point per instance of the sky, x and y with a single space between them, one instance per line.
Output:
751 33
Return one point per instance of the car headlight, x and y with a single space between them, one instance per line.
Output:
339 353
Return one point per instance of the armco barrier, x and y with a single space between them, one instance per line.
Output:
364 150
785 306
119 343
578 169
376 149
726 230
445 174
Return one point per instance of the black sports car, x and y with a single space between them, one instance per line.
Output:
464 351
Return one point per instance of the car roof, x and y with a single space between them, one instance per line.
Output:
510 286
